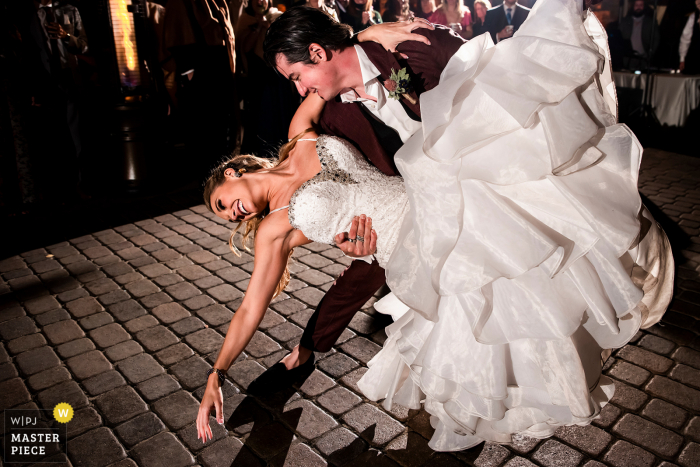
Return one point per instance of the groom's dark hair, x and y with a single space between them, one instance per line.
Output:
293 32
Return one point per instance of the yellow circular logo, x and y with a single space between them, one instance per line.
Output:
63 413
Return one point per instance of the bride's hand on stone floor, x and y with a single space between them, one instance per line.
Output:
213 399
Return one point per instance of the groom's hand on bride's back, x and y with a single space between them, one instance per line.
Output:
360 241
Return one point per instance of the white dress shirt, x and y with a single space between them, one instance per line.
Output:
390 111
512 11
686 37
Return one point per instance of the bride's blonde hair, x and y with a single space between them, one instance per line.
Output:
246 163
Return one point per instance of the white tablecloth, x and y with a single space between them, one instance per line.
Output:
673 96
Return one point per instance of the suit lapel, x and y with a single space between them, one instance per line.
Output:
502 18
519 16
385 61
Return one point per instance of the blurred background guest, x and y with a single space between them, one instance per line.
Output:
269 100
199 36
455 15
527 3
320 5
635 29
397 10
689 47
341 9
54 38
362 15
503 20
235 10
423 8
160 62
480 9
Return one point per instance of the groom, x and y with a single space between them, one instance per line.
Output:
320 56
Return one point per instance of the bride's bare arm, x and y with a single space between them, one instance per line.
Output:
273 243
307 115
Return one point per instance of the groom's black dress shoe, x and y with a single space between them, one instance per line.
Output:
278 377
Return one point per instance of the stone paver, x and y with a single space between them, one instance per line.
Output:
96 448
307 419
109 335
139 368
36 360
648 434
157 387
366 416
120 404
103 382
156 338
205 341
139 428
162 450
177 410
88 364
124 323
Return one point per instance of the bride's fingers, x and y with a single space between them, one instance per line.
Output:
367 243
199 427
360 245
341 238
208 427
353 228
373 243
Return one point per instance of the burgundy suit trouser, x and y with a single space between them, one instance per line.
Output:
337 308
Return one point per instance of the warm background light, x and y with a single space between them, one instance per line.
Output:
125 42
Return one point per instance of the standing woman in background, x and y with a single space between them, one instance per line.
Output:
454 14
480 9
362 15
423 8
397 10
320 5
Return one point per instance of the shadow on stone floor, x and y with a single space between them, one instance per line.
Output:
676 236
268 437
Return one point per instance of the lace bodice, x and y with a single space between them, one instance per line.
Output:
346 186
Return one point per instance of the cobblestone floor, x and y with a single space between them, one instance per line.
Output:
123 323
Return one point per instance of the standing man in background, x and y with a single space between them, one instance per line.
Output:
635 29
689 47
200 37
55 36
503 20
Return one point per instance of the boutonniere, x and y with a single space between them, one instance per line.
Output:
399 85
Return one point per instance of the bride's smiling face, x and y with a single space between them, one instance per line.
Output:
238 198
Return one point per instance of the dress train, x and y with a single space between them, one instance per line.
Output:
527 253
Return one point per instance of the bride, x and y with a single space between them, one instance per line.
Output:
516 245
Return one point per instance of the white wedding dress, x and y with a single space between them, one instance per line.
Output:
517 248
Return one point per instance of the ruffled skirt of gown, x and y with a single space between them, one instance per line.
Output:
527 253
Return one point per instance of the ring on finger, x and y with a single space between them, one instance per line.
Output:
351 240
360 238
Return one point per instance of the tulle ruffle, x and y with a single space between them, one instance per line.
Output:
527 250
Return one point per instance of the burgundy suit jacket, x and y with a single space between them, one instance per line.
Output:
424 64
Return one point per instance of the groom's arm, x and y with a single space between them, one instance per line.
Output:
428 61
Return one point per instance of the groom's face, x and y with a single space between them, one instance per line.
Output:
320 77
